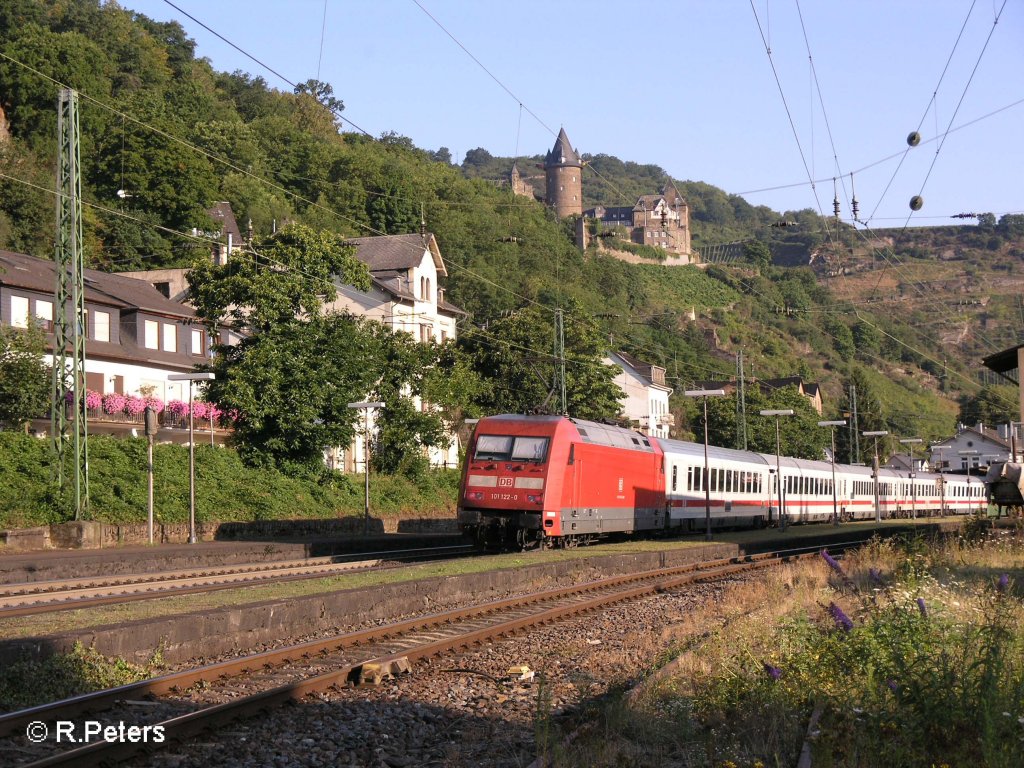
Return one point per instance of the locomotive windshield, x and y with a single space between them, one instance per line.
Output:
510 448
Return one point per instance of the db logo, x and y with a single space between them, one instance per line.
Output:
504 482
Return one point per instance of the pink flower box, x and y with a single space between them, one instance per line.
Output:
113 403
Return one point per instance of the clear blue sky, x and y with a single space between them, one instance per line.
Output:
685 84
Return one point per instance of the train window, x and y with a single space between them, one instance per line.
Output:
675 476
493 446
508 447
530 448
689 478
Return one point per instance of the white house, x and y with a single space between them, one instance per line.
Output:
135 336
645 399
404 296
971 447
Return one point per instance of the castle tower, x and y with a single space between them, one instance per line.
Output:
520 186
564 172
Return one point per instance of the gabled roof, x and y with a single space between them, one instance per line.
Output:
223 215
670 192
990 436
646 371
445 306
648 202
392 282
391 252
562 153
108 288
608 213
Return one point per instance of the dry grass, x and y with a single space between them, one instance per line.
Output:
962 674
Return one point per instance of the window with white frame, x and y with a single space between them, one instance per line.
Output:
170 337
198 341
44 314
19 311
151 338
101 326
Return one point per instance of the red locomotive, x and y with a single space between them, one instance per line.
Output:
538 479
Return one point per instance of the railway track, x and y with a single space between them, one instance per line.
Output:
28 598
186 703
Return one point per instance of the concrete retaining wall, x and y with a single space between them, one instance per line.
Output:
94 535
208 633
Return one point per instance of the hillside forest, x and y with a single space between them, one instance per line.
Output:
903 316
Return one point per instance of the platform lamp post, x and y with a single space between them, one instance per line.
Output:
191 378
874 469
835 491
967 462
941 450
910 442
705 394
777 414
366 407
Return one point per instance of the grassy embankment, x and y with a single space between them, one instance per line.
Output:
226 490
902 655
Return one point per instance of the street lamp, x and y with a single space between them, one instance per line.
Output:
191 378
835 500
706 393
910 442
366 407
941 450
783 517
967 461
874 469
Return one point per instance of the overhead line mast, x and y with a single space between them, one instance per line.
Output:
69 327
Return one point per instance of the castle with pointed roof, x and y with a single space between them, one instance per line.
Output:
660 220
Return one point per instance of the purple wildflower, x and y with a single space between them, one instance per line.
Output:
840 618
922 607
1003 583
875 575
773 672
892 685
832 562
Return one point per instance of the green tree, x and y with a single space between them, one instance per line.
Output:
993 405
294 370
758 254
799 434
286 276
24 378
842 337
866 339
514 355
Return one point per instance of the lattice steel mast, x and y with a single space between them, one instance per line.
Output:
69 324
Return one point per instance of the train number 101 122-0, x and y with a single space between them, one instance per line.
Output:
503 497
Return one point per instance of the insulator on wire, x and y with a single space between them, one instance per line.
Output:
835 206
855 207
